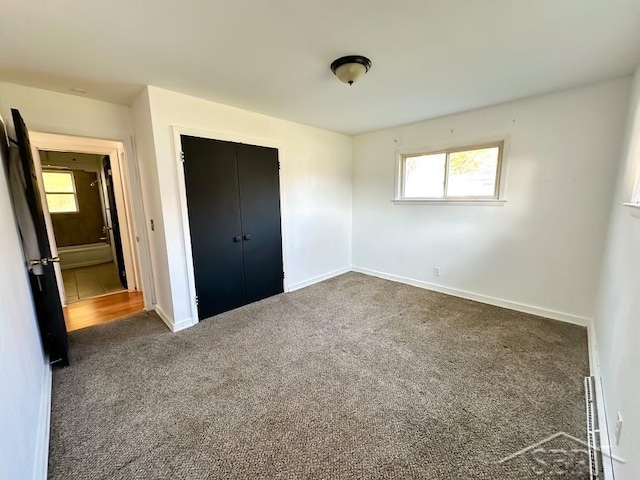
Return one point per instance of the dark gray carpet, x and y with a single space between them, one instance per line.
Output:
355 377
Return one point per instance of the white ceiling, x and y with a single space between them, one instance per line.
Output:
430 57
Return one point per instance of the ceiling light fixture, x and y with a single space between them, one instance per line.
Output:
351 68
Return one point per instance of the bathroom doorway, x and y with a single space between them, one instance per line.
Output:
92 227
79 194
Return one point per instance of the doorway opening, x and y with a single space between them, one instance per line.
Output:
84 224
90 227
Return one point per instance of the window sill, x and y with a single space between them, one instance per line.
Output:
634 209
473 202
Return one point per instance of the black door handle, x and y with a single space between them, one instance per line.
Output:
237 238
247 237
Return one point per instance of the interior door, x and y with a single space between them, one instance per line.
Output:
213 203
113 216
258 171
42 277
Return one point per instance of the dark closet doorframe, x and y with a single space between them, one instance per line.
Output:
184 215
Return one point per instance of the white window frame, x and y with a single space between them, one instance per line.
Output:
75 192
499 197
635 198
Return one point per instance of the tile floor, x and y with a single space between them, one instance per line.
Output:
86 282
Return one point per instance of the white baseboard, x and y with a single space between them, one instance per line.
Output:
603 423
319 278
498 302
594 358
184 323
164 317
169 322
44 427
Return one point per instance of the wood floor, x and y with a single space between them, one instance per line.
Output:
106 308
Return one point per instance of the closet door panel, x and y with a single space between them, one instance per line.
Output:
258 172
213 202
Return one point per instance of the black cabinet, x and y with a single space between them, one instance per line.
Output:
233 200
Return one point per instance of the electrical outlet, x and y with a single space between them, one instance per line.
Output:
436 271
618 429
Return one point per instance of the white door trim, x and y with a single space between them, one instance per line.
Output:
182 194
138 273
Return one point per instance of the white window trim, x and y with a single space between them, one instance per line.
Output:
499 200
633 208
75 192
635 201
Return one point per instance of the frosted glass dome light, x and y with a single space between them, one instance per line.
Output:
351 68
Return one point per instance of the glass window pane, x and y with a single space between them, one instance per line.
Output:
424 176
62 203
473 173
58 181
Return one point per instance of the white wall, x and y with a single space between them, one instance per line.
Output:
24 373
316 166
617 318
52 112
145 151
539 252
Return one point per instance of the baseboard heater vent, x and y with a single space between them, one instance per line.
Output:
593 431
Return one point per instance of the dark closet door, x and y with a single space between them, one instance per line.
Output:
260 205
213 201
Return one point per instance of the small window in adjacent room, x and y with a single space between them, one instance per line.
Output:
457 174
60 190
